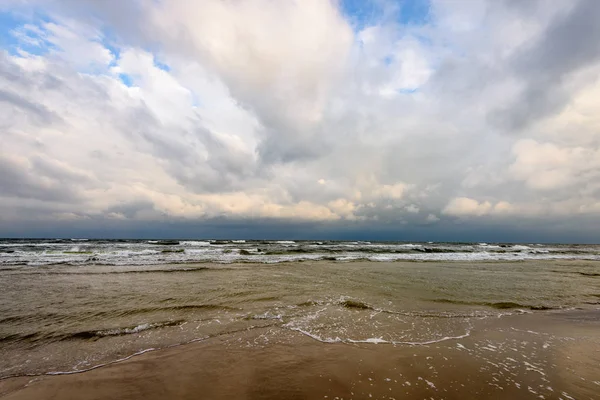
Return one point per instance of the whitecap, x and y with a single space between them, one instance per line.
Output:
194 243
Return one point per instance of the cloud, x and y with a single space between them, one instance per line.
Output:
262 111
432 218
462 206
23 178
568 45
465 207
548 166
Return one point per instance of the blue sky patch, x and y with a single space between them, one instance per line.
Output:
109 40
9 23
363 13
15 36
160 65
126 79
414 12
407 90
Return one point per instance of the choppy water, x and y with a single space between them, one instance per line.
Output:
82 313
152 252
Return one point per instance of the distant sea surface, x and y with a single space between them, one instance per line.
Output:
154 252
72 305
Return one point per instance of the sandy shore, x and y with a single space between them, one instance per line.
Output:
547 355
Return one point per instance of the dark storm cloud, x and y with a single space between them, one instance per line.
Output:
197 158
31 182
289 147
569 44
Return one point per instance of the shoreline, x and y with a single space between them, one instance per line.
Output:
575 260
556 350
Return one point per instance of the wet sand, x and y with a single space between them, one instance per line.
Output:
548 355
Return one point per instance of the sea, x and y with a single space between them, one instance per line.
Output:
154 252
71 305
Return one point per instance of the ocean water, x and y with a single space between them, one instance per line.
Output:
153 252
68 306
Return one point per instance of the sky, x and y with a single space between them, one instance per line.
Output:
447 120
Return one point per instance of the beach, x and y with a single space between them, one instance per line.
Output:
549 356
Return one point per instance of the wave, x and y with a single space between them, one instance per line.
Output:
135 354
358 305
142 271
185 258
582 273
182 307
343 301
86 335
18 337
164 242
112 313
197 243
355 305
156 252
501 305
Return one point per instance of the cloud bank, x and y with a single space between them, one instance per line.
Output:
469 116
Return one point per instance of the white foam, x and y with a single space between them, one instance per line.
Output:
431 385
410 246
194 243
445 338
369 340
490 246
100 365
79 371
316 337
534 368
136 329
373 340
268 315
